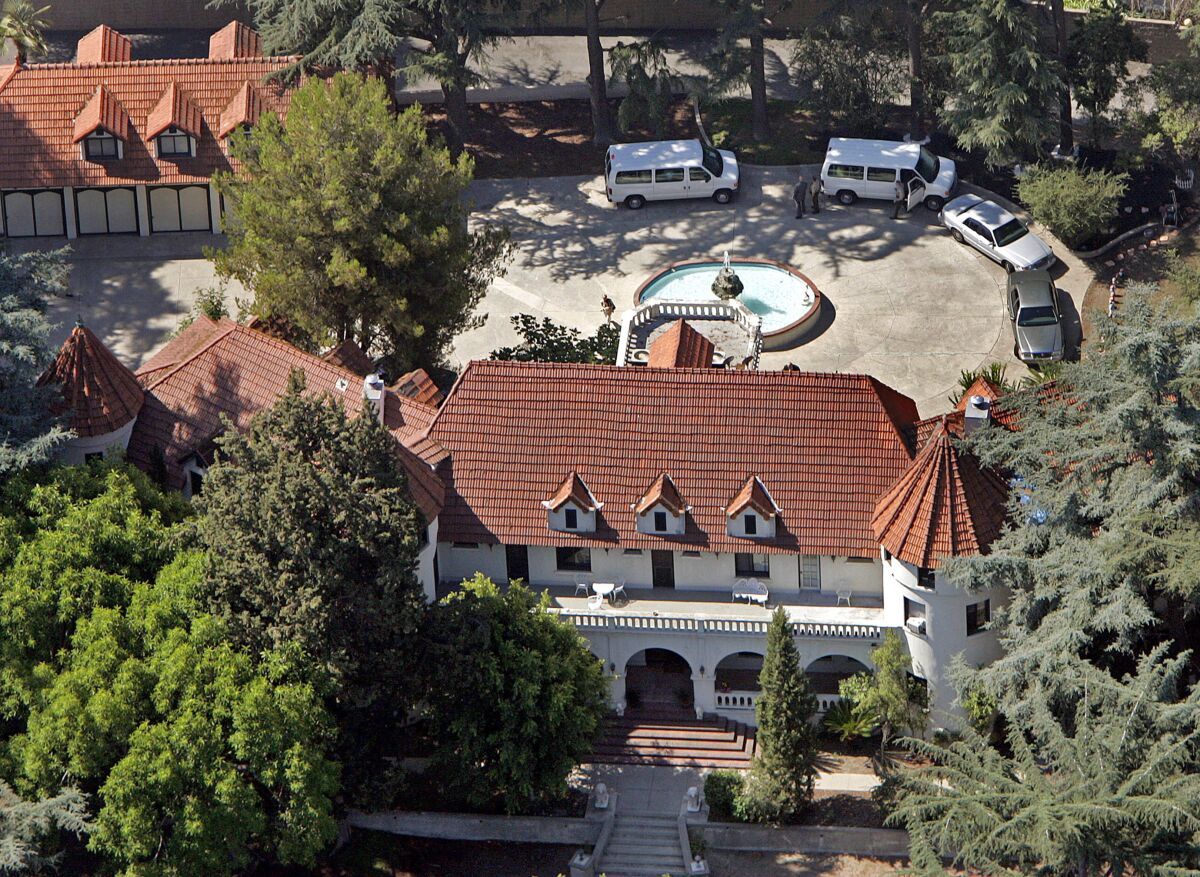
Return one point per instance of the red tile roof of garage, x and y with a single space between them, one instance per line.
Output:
945 505
662 492
40 105
753 495
102 111
828 445
574 490
214 370
176 109
100 395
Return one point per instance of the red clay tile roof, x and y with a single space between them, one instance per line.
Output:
235 40
102 111
662 492
350 356
40 103
99 393
244 109
681 346
827 444
753 495
418 386
176 109
981 387
103 45
214 370
575 491
945 505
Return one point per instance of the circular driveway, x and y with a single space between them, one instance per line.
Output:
903 301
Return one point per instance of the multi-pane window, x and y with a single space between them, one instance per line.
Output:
174 142
810 572
100 144
574 559
753 565
978 615
571 519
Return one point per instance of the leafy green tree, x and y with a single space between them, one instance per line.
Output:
746 21
895 698
1111 787
547 341
1098 56
1102 552
852 63
312 543
28 431
350 223
1003 85
515 696
1075 204
25 27
1184 273
645 71
24 826
779 786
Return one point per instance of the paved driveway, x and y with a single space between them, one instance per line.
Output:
903 301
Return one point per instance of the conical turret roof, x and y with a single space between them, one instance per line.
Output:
944 505
99 394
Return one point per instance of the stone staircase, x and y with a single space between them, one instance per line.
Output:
643 845
675 742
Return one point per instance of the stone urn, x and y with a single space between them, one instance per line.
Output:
728 285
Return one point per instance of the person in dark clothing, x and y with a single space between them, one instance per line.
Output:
609 307
816 190
800 195
899 200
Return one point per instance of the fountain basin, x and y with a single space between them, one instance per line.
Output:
785 300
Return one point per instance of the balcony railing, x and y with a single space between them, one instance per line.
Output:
719 626
746 700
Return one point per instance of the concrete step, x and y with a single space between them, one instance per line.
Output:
645 839
657 865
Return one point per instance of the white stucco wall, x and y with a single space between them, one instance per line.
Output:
945 635
556 519
75 451
456 563
676 524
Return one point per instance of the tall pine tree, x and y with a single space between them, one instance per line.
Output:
1003 86
779 786
29 433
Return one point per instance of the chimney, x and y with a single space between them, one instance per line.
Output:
977 413
103 45
373 394
234 40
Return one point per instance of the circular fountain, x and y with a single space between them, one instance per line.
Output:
785 300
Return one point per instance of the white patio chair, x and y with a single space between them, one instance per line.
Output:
582 584
843 596
619 590
595 601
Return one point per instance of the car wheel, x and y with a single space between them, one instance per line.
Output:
847 197
722 196
1007 266
957 235
635 202
933 203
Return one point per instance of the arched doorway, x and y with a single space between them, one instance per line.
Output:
825 673
739 672
658 682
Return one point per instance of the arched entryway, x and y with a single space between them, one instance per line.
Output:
825 673
659 682
738 673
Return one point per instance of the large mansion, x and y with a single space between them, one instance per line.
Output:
666 508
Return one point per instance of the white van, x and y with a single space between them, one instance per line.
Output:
660 170
856 169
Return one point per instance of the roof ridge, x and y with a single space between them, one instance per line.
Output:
176 366
156 62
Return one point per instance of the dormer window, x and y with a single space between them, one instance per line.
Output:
572 508
752 513
174 143
100 145
661 510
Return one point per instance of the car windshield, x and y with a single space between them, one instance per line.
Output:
1043 315
928 165
1009 232
712 161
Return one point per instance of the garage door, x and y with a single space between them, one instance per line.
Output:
27 214
106 211
179 209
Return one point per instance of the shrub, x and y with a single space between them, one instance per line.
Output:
1185 275
846 721
722 788
980 707
1074 204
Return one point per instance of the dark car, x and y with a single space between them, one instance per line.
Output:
1032 304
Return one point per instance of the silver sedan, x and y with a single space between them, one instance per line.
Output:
996 233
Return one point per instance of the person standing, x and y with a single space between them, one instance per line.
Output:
816 190
800 195
899 200
609 307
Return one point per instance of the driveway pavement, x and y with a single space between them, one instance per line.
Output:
903 302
